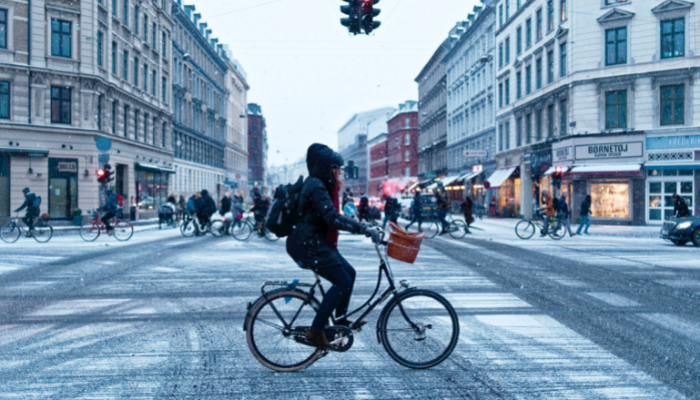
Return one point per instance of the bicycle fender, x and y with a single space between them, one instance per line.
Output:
250 306
382 315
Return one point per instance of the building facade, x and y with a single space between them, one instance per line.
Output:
471 97
402 145
352 143
378 165
618 96
236 159
257 147
73 72
199 98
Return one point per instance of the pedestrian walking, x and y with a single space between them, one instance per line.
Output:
391 210
466 207
549 211
225 204
585 212
563 212
363 210
442 207
416 212
680 207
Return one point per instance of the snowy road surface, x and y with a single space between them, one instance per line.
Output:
599 317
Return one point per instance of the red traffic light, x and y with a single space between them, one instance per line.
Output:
558 170
100 172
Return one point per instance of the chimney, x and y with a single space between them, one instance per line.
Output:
188 10
197 17
208 33
202 26
214 42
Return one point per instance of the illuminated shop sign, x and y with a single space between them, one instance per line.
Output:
610 150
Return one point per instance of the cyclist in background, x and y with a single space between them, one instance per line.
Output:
260 208
111 207
442 207
206 207
32 205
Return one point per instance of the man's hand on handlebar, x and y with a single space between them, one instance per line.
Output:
371 231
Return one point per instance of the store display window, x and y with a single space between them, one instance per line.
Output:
611 199
151 189
661 189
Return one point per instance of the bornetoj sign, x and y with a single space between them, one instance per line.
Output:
610 150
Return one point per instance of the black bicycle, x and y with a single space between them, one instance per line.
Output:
418 328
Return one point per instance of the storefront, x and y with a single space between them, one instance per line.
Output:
507 181
540 172
672 167
63 187
609 169
152 183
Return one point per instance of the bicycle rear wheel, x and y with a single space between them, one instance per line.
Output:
187 228
557 231
525 229
42 232
10 232
431 229
123 231
89 231
458 229
217 228
273 343
241 231
419 330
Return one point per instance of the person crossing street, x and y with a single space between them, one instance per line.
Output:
416 212
585 215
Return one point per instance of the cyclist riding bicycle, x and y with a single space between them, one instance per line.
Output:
206 207
313 243
31 203
112 207
260 208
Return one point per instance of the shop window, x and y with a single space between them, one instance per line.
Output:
60 38
672 105
616 46
616 109
4 100
562 60
610 199
563 118
4 186
63 187
151 189
60 105
673 38
100 48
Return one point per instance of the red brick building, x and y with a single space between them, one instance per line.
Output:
402 142
377 164
257 147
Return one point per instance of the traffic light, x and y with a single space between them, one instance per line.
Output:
353 10
104 176
368 14
100 175
557 175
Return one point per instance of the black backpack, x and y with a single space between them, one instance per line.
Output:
283 214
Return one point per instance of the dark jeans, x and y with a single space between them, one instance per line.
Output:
105 219
338 297
389 218
441 214
29 220
416 218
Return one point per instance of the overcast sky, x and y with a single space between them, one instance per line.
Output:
310 76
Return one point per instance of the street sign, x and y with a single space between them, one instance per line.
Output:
238 176
475 153
430 174
350 209
102 159
103 144
477 168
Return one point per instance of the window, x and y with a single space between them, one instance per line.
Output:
153 33
254 143
538 27
153 83
145 78
507 90
672 105
538 73
616 109
164 39
538 124
136 125
114 7
550 66
500 15
519 40
507 10
528 79
60 105
562 60
145 28
100 52
126 120
563 118
99 113
407 139
500 137
60 38
528 33
528 128
163 88
407 156
114 117
4 100
114 58
500 55
550 120
507 50
407 123
163 136
500 95
408 171
136 72
126 65
519 132
550 15
610 199
562 8
507 135
616 46
519 85
136 20
126 12
3 29
673 38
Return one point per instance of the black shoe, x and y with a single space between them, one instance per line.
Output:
319 339
347 323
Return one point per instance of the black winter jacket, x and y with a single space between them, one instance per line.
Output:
30 205
307 244
585 208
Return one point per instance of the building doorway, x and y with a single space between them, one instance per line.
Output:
63 187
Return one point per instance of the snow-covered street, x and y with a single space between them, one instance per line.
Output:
613 315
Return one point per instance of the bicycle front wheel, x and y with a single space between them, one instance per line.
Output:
458 229
42 232
241 231
187 228
431 229
9 233
217 228
123 231
525 229
419 330
557 231
271 339
89 232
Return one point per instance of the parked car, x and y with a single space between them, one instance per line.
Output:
681 231
406 207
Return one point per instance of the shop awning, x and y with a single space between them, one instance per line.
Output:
551 170
469 175
20 152
671 166
413 186
445 181
499 176
155 168
610 169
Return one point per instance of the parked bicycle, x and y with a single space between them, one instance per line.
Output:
91 230
418 328
190 226
527 228
241 230
42 231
